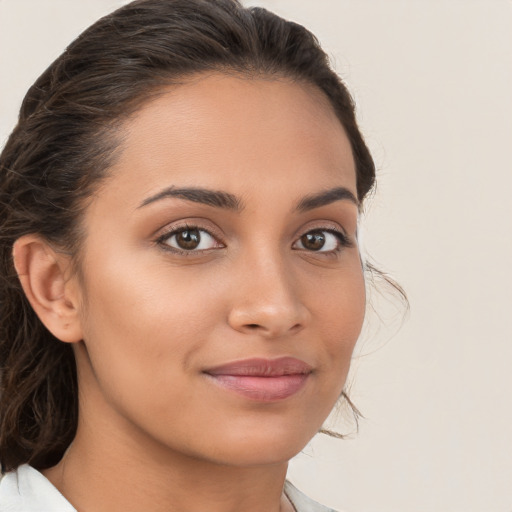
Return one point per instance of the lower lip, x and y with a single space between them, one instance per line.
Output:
263 389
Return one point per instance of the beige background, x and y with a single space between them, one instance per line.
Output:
433 82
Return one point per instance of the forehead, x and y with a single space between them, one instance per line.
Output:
230 132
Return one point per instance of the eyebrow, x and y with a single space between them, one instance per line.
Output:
215 198
220 199
326 197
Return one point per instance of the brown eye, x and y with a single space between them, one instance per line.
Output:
190 239
321 240
313 241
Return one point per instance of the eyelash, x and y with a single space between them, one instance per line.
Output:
175 230
343 240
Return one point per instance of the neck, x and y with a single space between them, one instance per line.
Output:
103 473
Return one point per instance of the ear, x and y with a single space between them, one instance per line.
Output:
46 279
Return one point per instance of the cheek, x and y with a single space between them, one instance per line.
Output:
135 293
339 315
144 322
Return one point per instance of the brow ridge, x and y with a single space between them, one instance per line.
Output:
220 199
214 198
326 197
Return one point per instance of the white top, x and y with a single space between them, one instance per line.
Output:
27 490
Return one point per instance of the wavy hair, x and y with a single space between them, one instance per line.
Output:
64 143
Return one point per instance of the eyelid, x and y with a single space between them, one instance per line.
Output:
345 241
190 224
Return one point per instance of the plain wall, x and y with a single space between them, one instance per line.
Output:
432 80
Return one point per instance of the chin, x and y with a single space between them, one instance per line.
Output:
252 454
259 445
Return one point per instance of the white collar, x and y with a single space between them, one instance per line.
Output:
27 490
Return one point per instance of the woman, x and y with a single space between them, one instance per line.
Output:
181 282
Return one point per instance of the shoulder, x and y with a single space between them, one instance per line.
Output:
301 502
27 490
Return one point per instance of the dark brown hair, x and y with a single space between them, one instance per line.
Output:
64 143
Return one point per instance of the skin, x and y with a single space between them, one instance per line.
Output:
145 321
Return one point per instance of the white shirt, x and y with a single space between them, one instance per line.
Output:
27 490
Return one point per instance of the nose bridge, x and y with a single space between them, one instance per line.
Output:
268 299
272 278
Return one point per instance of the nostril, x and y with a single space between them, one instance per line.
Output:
296 327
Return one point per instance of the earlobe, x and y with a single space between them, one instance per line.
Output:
44 276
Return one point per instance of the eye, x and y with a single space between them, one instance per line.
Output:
189 239
321 240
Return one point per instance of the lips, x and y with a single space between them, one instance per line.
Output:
267 380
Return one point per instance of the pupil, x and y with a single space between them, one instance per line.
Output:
188 239
313 241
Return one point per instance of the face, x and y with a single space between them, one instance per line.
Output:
222 288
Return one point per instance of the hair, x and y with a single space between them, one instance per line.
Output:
66 140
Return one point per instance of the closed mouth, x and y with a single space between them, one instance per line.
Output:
266 380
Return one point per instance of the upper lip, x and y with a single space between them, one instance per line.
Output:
261 367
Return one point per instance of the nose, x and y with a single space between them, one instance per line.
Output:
267 301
